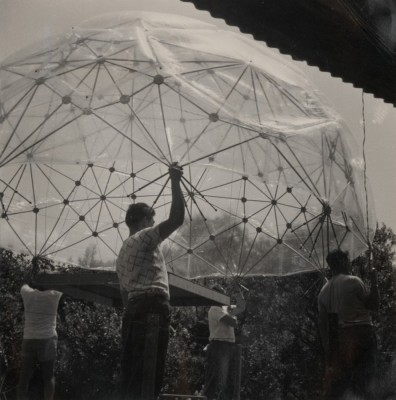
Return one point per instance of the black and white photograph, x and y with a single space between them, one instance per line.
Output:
197 200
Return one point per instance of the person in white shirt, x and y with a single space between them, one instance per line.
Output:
39 336
346 329
221 348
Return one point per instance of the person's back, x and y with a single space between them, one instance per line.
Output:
40 308
39 337
346 296
220 353
346 329
141 265
218 328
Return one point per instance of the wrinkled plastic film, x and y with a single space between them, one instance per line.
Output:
91 120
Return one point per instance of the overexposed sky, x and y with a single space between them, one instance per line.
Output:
27 21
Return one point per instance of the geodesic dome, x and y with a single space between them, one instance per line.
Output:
91 120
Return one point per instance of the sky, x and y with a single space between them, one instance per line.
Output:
27 21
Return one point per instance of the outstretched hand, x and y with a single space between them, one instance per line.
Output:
175 172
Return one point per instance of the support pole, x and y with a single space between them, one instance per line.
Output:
150 357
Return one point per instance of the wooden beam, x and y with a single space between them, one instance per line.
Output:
101 286
89 296
181 397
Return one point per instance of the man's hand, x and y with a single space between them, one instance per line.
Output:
175 172
176 214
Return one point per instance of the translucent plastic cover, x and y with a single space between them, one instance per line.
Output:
91 120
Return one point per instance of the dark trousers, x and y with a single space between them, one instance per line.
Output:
44 352
134 331
219 364
351 365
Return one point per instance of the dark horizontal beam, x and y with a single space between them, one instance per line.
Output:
101 286
347 38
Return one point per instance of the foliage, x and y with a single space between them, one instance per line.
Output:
91 260
383 252
383 255
89 349
12 272
185 365
282 356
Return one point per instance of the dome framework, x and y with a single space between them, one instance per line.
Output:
90 122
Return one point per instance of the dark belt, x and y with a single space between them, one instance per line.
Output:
346 326
221 341
148 295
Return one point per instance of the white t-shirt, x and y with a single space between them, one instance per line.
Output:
41 307
218 329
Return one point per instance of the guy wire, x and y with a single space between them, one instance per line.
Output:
365 176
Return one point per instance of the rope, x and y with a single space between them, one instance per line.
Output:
365 180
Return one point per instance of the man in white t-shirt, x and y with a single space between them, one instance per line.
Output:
143 279
39 336
221 348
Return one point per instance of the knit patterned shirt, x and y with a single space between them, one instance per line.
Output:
141 266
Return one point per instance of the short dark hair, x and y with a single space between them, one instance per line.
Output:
137 212
338 260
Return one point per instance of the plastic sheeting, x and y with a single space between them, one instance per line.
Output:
90 121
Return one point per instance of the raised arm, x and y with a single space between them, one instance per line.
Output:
229 320
176 215
240 305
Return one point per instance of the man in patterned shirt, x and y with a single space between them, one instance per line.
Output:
144 286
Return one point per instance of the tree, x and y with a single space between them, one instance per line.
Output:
383 255
282 355
12 271
89 259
